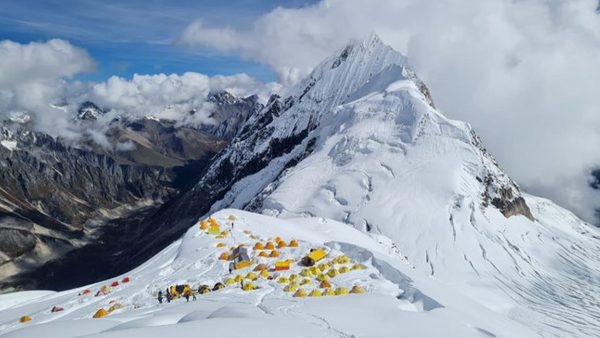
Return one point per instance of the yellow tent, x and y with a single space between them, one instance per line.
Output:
341 291
258 246
293 277
264 274
305 273
325 284
24 319
277 239
115 306
251 276
220 245
344 269
292 287
329 292
317 254
232 218
274 254
281 244
315 293
358 267
239 278
230 281
224 256
306 281
263 254
269 246
294 243
300 293
242 264
100 313
322 277
261 267
357 289
248 287
203 225
333 272
283 280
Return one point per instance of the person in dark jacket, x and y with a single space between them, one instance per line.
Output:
169 297
160 296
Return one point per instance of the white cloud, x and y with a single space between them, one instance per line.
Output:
524 73
32 77
170 96
35 76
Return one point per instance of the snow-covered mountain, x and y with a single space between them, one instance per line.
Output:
360 141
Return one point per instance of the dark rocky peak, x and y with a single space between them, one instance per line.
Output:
89 111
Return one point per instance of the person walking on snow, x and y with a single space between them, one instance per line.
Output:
168 296
160 296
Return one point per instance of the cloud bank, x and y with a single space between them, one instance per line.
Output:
36 77
523 73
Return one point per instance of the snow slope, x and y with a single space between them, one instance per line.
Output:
392 305
370 149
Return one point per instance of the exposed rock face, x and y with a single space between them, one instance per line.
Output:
57 196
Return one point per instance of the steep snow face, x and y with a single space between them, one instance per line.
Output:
393 303
360 141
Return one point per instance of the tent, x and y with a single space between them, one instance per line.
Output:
293 277
260 267
232 218
333 272
317 254
57 309
274 254
281 244
282 265
341 291
294 243
322 277
263 254
315 293
357 289
220 245
358 267
325 284
218 286
292 287
203 289
344 269
85 292
283 280
203 225
230 281
258 246
25 319
328 292
248 287
224 256
269 246
115 306
264 274
251 276
300 293
101 313
125 280
114 284
306 281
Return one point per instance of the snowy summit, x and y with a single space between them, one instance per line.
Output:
411 227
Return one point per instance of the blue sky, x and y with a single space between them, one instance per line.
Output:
137 36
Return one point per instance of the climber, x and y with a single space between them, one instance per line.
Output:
169 297
160 296
187 293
